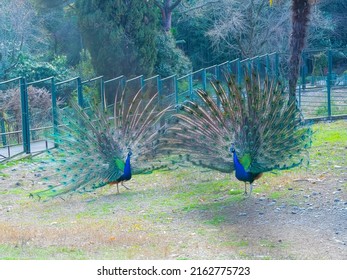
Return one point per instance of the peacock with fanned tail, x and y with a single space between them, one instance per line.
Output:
94 149
251 129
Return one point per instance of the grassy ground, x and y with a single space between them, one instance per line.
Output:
186 214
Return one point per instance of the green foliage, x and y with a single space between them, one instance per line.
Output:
195 43
59 21
335 110
85 67
336 10
320 63
34 69
322 110
171 60
40 109
119 35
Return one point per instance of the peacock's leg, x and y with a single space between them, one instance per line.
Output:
117 189
250 189
245 189
125 186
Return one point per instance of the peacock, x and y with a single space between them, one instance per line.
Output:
95 148
249 129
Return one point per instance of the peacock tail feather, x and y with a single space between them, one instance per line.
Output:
259 121
92 146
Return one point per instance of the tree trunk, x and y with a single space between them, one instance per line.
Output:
167 20
166 7
300 19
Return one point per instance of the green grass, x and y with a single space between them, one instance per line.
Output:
15 162
272 245
329 146
329 133
241 243
14 252
216 220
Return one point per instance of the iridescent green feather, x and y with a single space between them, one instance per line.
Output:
120 164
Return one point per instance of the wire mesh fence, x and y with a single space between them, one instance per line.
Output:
10 116
322 88
29 111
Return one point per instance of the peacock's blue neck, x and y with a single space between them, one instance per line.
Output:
240 172
127 168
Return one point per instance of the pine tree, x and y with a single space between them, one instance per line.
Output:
120 35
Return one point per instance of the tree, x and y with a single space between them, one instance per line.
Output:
191 25
336 10
248 28
120 36
171 60
300 18
60 21
166 8
20 33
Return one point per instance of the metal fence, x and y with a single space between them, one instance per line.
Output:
322 90
26 124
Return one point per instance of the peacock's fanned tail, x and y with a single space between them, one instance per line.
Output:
92 146
84 158
258 120
271 133
200 133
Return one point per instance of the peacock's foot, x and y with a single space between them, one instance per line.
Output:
126 187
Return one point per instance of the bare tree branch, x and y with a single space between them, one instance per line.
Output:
199 6
174 5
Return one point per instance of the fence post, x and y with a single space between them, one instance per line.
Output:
159 91
302 87
299 100
217 75
303 70
257 60
3 130
229 67
25 116
267 63
250 66
190 81
204 83
102 93
330 66
79 92
239 77
175 84
54 109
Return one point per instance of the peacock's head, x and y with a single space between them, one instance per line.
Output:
130 152
232 148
